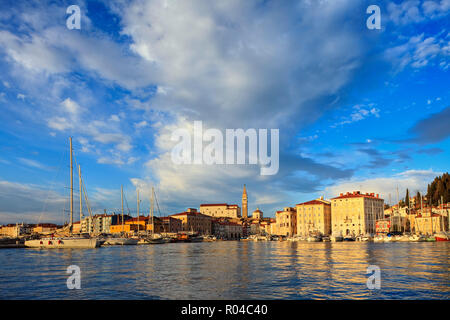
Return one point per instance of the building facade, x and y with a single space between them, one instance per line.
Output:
221 210
356 213
314 217
192 220
228 230
286 222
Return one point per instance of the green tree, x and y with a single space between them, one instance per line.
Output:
407 198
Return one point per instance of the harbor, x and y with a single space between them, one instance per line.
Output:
230 270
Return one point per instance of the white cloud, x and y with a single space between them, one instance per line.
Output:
420 51
414 180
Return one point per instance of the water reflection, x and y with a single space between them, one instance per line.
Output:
230 270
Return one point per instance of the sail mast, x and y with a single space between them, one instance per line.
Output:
81 194
151 210
71 187
139 227
121 200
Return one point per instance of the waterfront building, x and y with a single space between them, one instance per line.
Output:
228 230
126 228
221 210
138 223
45 228
195 221
314 217
171 225
356 213
286 222
382 226
430 223
15 230
99 223
244 203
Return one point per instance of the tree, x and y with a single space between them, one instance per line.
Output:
407 198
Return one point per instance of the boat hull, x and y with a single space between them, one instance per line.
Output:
121 242
63 243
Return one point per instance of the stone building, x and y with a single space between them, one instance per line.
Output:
356 213
314 217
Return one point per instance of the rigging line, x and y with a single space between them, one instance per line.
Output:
157 204
127 204
44 207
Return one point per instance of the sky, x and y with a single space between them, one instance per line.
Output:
356 108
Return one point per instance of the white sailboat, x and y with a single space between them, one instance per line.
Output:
121 241
69 241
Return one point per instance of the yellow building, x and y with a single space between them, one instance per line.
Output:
45 228
192 220
127 228
286 222
356 213
430 224
314 217
221 210
257 214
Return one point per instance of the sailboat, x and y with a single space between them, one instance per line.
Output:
121 241
69 241
152 238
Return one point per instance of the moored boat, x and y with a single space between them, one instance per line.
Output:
442 236
349 238
336 237
63 242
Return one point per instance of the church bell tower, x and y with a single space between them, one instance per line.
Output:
244 204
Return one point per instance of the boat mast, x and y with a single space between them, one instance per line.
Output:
71 187
151 211
139 227
81 194
121 199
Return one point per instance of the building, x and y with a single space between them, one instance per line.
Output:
383 226
192 220
314 217
286 222
227 230
244 203
257 214
171 225
221 210
427 223
15 230
356 213
45 228
99 223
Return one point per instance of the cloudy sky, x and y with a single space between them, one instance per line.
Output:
357 109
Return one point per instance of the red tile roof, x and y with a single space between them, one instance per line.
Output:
357 194
314 202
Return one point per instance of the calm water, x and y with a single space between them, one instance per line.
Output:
230 270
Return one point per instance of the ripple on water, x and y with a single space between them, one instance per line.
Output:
230 270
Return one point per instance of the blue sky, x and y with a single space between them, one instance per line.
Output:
357 109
